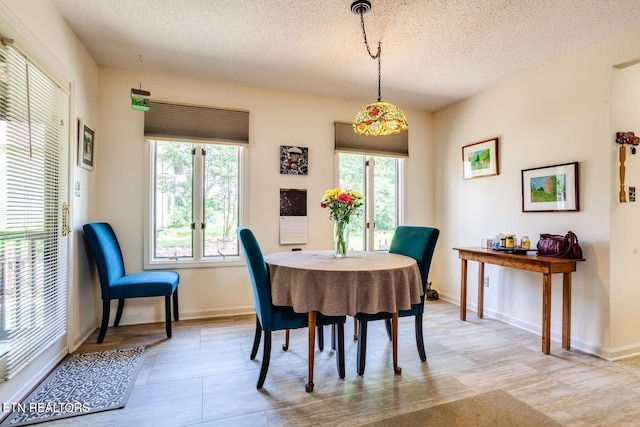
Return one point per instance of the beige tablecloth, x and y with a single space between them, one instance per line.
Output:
363 282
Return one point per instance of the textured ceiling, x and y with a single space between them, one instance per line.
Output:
434 52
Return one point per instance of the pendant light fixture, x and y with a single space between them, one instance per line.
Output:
378 118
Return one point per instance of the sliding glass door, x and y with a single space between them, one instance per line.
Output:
34 135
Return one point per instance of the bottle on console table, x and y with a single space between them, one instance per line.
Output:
510 241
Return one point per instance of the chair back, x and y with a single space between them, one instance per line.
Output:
259 274
106 253
418 243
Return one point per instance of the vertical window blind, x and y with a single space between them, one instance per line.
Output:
34 133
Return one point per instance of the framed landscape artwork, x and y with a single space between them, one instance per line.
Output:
480 159
550 188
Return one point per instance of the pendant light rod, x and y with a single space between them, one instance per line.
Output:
360 7
140 69
378 118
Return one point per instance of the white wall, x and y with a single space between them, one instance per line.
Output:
625 284
276 118
37 28
558 113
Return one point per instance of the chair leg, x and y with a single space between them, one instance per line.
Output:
339 328
256 339
355 329
321 338
116 322
167 314
387 325
176 315
106 308
285 346
333 338
362 346
266 356
419 338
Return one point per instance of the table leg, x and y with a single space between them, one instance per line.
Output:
394 335
312 346
566 311
546 313
480 289
463 290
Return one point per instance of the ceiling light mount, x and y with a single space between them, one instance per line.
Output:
378 118
360 7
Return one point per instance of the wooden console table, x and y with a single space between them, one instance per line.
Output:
541 264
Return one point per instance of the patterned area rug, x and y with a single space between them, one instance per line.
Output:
81 384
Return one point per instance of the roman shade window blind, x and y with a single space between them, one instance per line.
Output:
347 141
180 122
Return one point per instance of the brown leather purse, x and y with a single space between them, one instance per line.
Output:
566 246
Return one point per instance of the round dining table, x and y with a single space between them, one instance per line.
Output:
362 282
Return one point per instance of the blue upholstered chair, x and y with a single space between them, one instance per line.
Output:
115 284
270 317
418 243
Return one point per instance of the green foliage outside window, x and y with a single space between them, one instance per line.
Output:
352 177
177 207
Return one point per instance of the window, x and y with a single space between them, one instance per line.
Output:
378 178
374 167
196 202
196 183
34 132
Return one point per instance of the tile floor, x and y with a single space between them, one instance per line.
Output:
203 375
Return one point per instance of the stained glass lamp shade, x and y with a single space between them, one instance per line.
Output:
380 118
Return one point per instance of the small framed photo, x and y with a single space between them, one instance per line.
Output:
480 159
294 160
550 188
86 145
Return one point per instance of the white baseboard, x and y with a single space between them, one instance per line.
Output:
36 378
537 329
185 315
614 354
83 336
623 352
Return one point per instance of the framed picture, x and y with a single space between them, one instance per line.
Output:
294 160
480 159
86 145
550 188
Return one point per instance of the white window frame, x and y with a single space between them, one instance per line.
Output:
369 186
197 260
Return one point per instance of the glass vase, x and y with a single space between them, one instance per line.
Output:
340 238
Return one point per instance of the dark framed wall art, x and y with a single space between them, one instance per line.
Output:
294 160
551 188
86 145
480 159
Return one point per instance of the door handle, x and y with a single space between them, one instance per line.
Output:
65 219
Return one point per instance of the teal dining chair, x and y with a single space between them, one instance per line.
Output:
270 317
418 243
115 284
